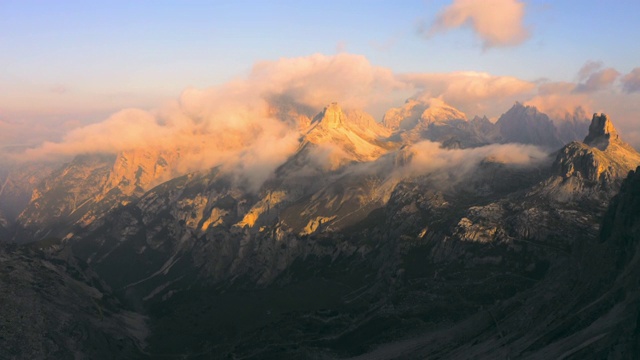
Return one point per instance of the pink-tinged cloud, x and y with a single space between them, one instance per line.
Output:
498 23
475 93
559 100
249 126
588 69
592 77
253 124
558 105
631 81
317 79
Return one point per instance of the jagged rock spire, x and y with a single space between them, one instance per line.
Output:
331 117
601 132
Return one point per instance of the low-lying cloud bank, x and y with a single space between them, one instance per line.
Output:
252 124
446 168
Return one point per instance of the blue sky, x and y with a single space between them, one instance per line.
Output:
85 59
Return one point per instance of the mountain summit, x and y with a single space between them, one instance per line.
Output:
595 166
601 132
331 117
420 114
526 125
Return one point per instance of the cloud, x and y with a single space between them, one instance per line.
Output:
631 81
594 79
318 79
249 125
498 23
444 167
589 68
475 93
556 99
252 125
428 157
559 99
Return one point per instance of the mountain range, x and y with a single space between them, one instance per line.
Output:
428 235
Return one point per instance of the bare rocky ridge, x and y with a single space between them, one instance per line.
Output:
88 187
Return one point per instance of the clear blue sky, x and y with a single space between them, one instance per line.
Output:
103 55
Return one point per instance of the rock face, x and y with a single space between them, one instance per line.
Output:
88 187
601 132
136 171
331 117
64 196
621 225
335 139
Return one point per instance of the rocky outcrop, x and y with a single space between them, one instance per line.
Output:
88 187
63 197
595 166
601 132
331 117
336 138
136 171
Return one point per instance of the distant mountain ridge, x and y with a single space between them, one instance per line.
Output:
330 140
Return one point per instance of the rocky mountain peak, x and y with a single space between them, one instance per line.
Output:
331 117
438 110
597 165
601 132
526 125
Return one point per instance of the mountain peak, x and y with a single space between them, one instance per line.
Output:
526 125
601 132
438 110
331 117
421 113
